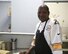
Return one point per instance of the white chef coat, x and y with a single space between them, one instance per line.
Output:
52 33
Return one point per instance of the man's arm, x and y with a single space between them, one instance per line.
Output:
56 38
31 47
28 51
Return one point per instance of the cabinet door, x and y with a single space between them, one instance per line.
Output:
5 16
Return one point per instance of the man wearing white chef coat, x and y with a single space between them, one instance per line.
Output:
47 39
52 35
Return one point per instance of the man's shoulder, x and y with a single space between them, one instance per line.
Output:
54 21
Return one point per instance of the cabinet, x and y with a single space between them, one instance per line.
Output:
5 16
5 0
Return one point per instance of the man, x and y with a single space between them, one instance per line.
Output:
48 34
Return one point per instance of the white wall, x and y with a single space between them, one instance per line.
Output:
24 15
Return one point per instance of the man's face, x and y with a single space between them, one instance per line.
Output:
43 14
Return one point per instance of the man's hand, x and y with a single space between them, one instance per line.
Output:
22 52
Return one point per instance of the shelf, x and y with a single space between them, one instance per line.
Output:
5 0
16 33
66 40
65 49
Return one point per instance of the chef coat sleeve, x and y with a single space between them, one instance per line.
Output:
57 35
56 39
